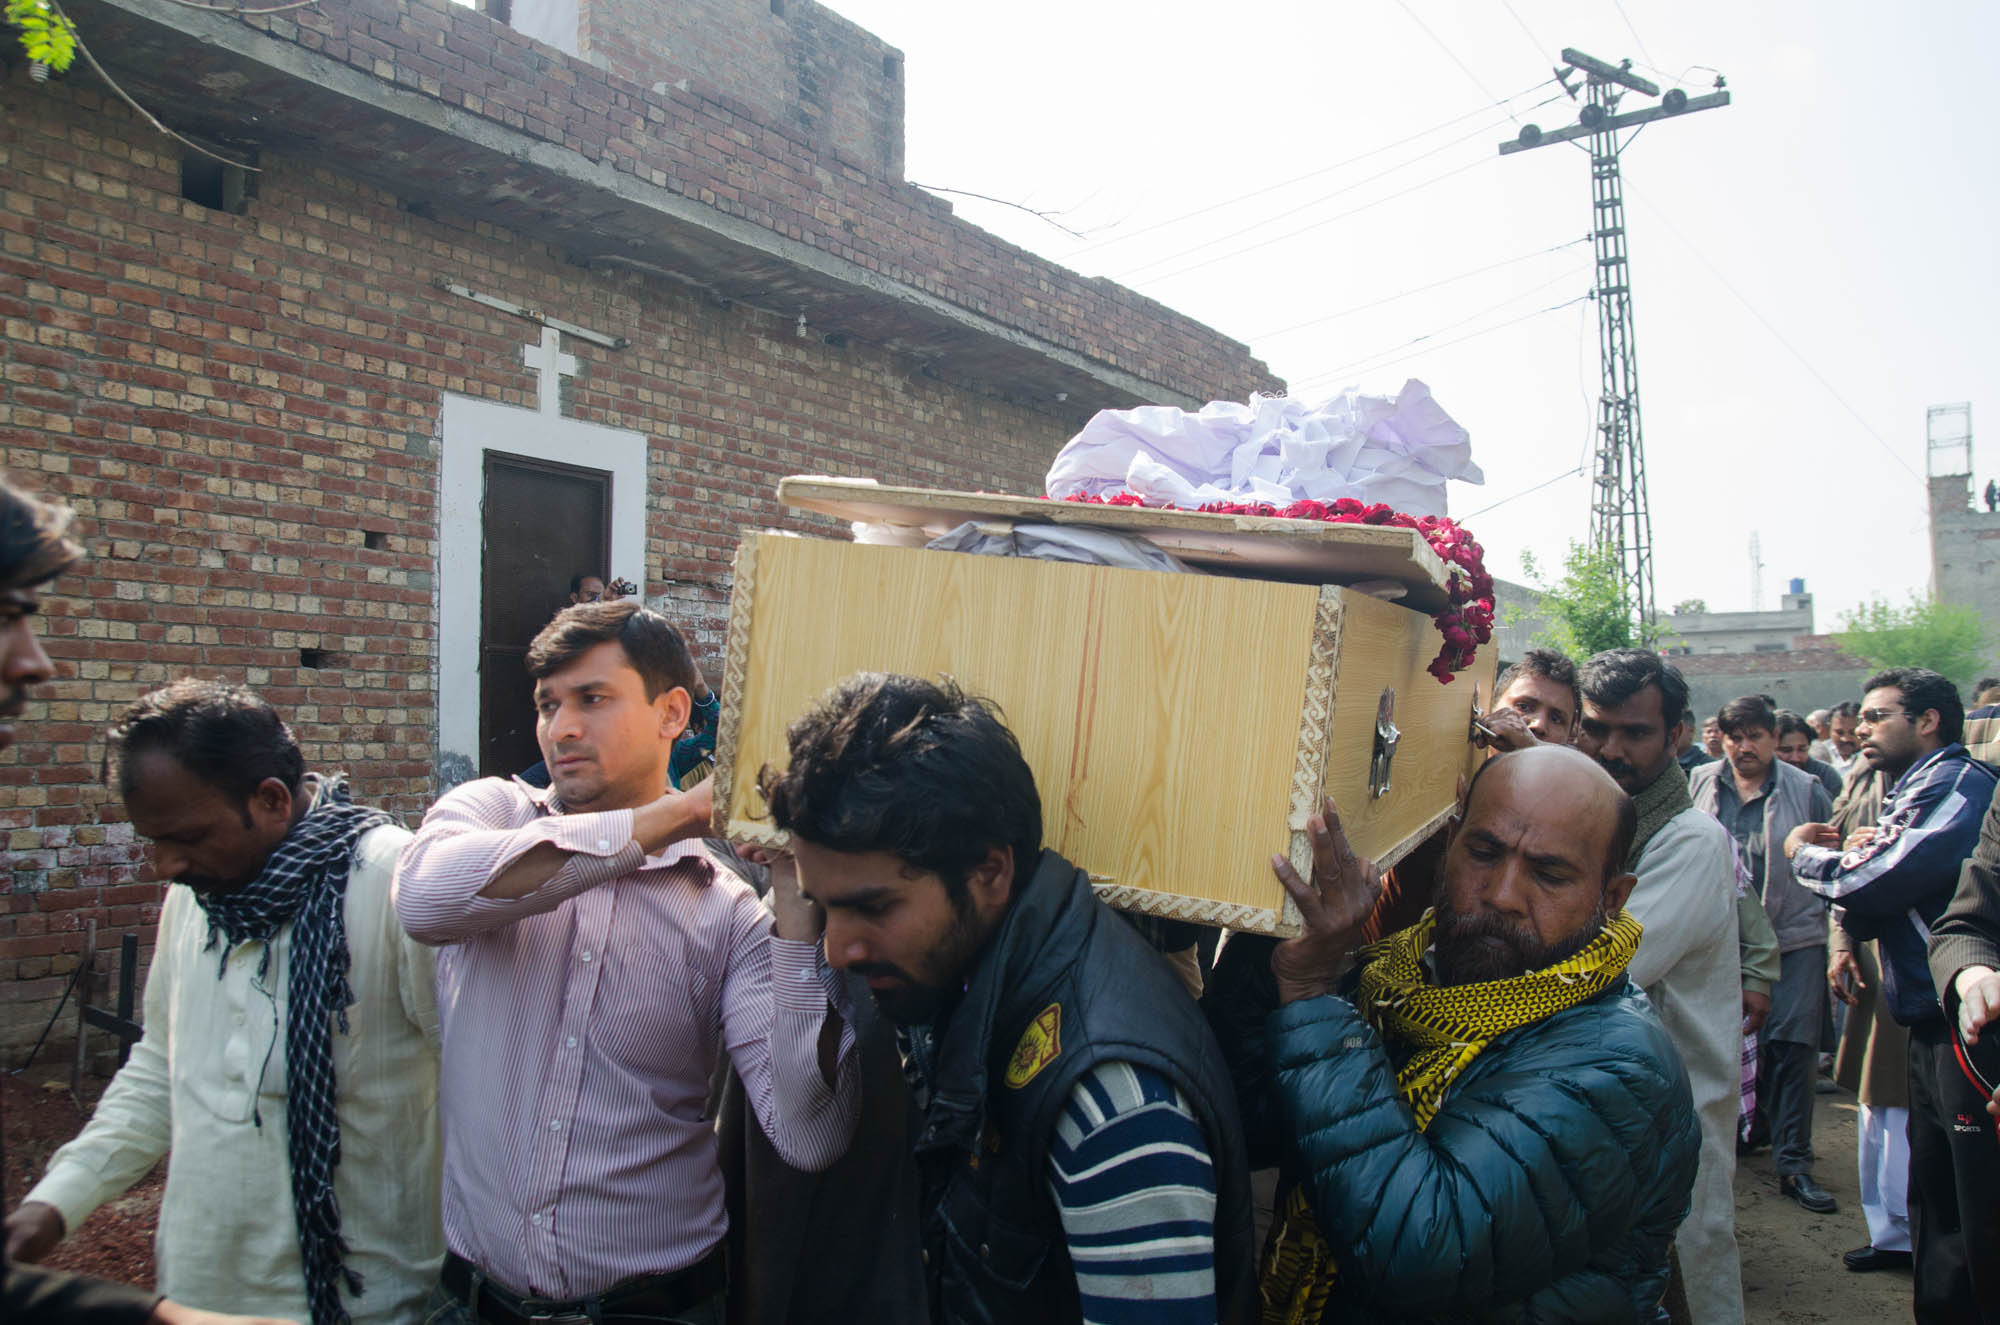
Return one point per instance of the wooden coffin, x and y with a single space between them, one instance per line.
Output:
1181 727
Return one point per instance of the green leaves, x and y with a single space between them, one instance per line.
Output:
1945 637
1587 609
47 35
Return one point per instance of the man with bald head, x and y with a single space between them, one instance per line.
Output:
1438 1084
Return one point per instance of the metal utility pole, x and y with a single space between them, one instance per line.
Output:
1619 520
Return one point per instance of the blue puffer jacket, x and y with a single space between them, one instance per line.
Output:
1546 1188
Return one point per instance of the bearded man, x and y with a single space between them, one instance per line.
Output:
1079 1153
1441 1083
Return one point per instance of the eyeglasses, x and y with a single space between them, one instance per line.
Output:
1875 717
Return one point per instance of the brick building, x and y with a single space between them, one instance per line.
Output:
1810 672
624 290
1965 549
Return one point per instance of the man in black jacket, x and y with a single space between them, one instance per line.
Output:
1079 1150
1965 963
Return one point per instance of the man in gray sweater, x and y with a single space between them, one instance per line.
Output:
1759 798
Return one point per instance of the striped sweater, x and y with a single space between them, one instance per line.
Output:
1133 1183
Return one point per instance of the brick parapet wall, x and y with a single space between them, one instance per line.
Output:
744 161
235 404
1810 653
830 82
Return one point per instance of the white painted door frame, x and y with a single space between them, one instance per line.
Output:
468 429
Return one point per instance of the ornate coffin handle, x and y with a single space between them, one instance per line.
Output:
1386 740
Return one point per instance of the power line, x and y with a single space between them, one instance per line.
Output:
1777 335
1525 492
1476 81
1540 50
1416 348
1036 212
1275 217
1639 40
1421 289
1434 332
1397 355
1309 175
1303 230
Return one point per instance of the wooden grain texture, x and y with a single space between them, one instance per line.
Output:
1266 547
1164 715
1384 645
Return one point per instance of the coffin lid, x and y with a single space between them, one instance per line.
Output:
1251 546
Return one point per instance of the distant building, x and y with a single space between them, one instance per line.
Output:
1740 632
1807 673
1520 619
1965 547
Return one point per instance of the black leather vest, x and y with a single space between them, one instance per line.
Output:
1065 984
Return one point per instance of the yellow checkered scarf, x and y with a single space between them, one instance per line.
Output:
1448 1026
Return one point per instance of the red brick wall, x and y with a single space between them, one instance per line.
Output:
231 403
806 69
746 160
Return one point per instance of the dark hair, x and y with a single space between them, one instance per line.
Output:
1924 690
654 648
923 771
1789 722
226 735
1741 715
1610 678
1846 708
1985 684
1551 664
1623 832
576 580
33 546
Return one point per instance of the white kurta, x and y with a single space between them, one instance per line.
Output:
212 1062
1688 965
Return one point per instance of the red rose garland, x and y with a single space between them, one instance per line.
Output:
1465 623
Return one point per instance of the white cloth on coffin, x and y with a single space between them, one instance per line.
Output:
1274 449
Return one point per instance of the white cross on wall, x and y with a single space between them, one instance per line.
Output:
550 365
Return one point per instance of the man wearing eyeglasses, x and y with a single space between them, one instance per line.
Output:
1891 883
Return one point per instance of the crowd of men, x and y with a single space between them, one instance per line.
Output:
557 1057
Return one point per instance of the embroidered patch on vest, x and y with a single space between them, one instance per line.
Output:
1041 1044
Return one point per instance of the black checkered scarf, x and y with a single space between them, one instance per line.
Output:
304 883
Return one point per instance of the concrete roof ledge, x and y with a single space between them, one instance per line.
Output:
440 104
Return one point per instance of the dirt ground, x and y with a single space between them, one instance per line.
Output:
117 1241
1792 1273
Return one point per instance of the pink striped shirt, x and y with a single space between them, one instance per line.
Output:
582 1024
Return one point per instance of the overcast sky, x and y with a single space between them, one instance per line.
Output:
1844 199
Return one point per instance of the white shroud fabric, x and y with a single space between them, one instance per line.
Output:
1275 449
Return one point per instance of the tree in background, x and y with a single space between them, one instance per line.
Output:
1586 607
1945 637
1691 607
